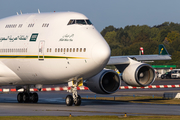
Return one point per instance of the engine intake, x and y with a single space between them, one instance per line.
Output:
145 75
138 74
105 82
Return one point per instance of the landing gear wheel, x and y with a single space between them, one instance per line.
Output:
69 100
34 97
25 97
20 97
78 101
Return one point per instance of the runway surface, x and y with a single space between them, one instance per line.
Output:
53 104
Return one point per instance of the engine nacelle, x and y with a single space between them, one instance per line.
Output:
138 74
105 82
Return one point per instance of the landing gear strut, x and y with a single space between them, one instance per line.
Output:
74 98
27 96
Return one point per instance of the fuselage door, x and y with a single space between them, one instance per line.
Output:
41 50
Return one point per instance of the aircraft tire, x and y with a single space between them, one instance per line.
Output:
69 100
20 97
78 102
34 97
25 97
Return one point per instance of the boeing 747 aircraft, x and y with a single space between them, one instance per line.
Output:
63 47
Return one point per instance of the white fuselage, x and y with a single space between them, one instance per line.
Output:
45 49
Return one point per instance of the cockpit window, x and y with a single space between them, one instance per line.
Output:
82 22
70 22
88 22
79 22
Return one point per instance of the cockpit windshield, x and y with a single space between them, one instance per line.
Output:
79 22
82 22
88 22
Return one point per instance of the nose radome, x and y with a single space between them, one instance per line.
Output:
101 53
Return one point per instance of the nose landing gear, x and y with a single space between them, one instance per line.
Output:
74 98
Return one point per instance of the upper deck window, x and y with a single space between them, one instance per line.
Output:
80 22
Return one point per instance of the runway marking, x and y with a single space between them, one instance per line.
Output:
86 88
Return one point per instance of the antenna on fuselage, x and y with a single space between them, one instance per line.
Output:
17 13
21 12
39 11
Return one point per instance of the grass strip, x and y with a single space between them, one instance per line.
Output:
89 118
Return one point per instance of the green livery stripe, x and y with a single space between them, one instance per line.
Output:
36 57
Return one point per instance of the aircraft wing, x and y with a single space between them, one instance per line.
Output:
115 60
118 60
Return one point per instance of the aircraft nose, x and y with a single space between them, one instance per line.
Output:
101 53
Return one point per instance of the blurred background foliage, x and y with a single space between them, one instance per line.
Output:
128 40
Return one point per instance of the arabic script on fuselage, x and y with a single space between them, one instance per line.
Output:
67 37
12 39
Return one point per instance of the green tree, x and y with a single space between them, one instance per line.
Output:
172 36
110 37
162 34
142 37
176 44
107 29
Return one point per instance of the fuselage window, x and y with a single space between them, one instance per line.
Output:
61 50
84 49
20 25
45 25
10 50
11 26
80 49
64 49
31 25
47 49
67 50
55 49
77 50
73 49
50 50
70 49
58 49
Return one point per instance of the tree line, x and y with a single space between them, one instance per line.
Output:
128 40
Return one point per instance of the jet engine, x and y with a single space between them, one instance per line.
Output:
138 74
105 82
